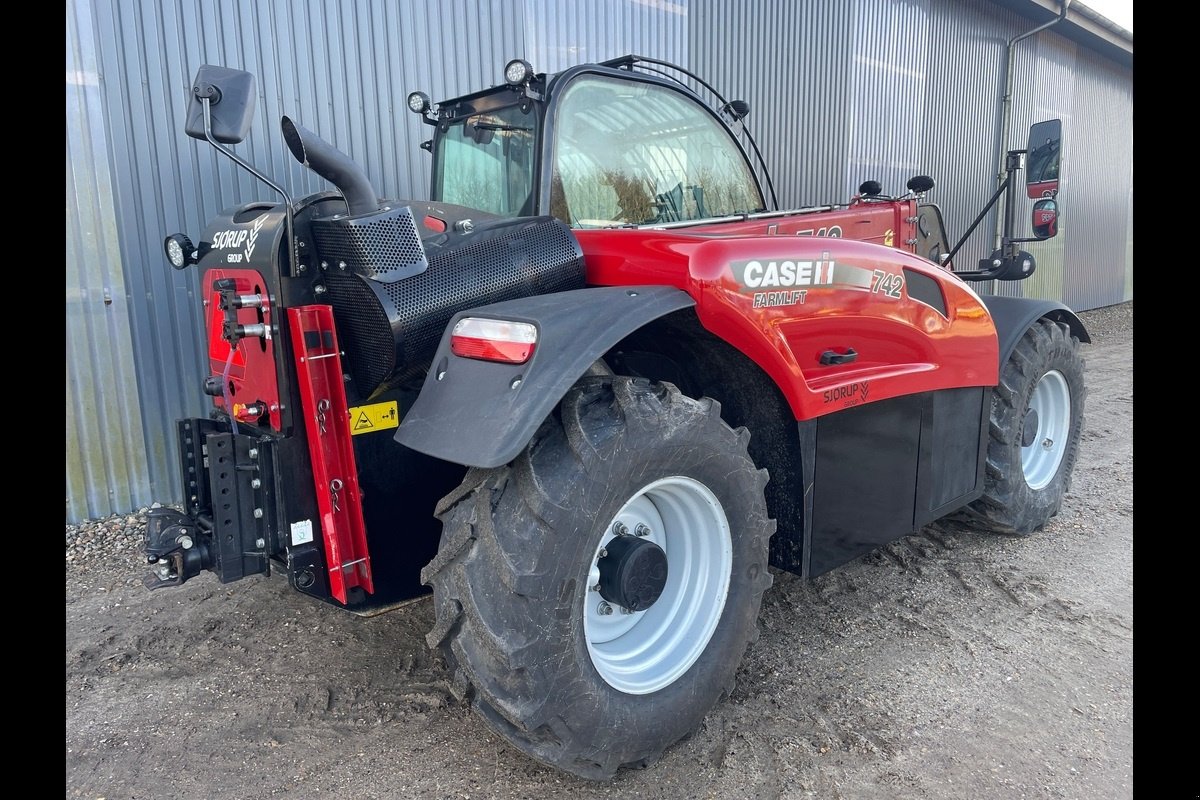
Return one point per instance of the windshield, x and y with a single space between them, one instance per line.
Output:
486 162
629 152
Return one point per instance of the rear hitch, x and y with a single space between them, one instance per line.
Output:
175 547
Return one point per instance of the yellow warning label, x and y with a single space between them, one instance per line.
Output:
375 417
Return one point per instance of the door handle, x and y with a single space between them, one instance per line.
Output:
830 357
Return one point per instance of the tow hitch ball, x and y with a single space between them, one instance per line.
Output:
175 548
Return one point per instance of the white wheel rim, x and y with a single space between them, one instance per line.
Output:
1051 401
642 652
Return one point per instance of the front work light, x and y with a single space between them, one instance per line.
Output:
518 72
180 251
418 102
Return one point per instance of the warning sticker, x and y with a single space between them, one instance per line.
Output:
375 417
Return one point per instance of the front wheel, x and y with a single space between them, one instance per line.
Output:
1036 421
595 597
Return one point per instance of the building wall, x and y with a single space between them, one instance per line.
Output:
840 91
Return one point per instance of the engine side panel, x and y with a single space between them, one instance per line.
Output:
790 302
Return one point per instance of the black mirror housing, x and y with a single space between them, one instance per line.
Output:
231 95
1043 158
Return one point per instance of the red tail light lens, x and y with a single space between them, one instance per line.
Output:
493 340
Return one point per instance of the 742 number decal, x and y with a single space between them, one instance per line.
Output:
887 283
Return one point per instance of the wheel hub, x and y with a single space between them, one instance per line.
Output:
633 574
669 552
1029 430
1046 429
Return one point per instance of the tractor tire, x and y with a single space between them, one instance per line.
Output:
577 681
1036 421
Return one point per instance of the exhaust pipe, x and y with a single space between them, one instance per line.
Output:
333 165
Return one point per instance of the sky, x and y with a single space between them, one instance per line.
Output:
1119 11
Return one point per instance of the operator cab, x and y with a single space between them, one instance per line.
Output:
595 146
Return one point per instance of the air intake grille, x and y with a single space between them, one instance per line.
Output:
392 326
503 263
364 332
386 246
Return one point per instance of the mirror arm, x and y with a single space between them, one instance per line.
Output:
205 101
1012 164
1003 187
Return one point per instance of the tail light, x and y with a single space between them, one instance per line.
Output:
493 340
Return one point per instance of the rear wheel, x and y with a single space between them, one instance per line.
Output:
1036 421
595 597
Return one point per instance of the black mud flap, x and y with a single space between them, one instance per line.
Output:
482 413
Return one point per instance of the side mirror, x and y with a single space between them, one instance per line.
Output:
230 94
1045 218
1042 159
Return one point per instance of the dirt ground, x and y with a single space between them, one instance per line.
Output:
947 665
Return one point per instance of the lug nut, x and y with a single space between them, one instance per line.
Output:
605 609
620 529
253 452
256 483
642 529
258 513
260 543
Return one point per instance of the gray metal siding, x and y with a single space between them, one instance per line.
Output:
105 458
840 91
561 34
849 90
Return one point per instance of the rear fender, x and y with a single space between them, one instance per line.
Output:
1012 316
482 413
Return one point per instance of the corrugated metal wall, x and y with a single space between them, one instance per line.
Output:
106 466
840 91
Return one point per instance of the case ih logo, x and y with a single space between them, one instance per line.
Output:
759 275
756 275
765 278
236 238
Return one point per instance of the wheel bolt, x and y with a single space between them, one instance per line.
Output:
620 529
604 552
642 529
605 609
1047 443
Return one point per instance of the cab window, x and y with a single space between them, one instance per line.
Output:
628 152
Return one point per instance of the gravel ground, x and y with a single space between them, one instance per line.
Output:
944 665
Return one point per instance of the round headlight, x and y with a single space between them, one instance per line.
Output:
517 72
418 102
179 250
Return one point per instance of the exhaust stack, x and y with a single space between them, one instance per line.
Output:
333 165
